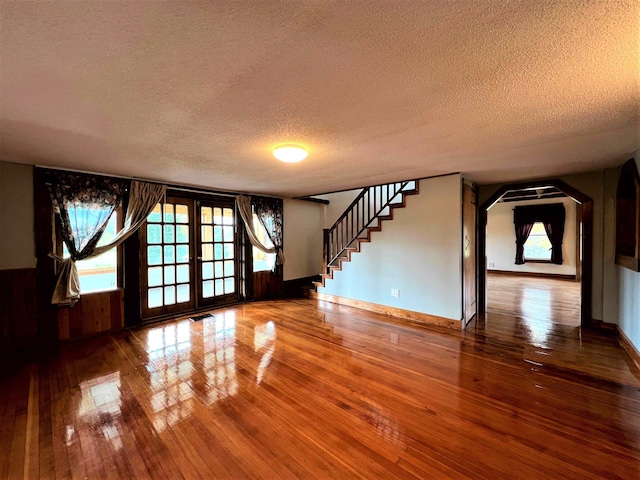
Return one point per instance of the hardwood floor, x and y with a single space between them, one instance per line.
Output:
307 389
543 300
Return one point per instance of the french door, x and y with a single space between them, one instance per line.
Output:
188 256
216 262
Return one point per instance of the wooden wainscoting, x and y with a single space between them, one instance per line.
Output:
94 313
18 306
297 286
266 285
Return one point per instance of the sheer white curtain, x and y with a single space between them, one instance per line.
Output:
270 214
244 207
143 197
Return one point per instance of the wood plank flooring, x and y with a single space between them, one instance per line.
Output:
534 299
307 389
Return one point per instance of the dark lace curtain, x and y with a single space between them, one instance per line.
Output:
269 212
553 219
83 205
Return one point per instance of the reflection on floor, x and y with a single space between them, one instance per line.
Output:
308 389
544 300
539 318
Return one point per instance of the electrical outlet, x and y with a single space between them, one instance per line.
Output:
395 293
492 264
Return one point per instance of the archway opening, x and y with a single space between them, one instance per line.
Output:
552 190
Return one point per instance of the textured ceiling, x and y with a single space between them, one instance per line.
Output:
198 93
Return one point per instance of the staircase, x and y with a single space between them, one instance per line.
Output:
354 227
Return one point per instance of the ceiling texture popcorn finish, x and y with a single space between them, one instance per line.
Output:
200 93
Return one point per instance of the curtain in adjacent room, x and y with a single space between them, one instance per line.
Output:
551 216
83 205
522 234
554 226
270 215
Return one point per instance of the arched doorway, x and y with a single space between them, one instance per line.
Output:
585 217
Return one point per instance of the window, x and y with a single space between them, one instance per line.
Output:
538 246
539 232
99 274
262 261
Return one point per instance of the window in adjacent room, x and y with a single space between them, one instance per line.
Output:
99 274
262 261
538 247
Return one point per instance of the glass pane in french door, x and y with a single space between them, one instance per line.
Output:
217 272
167 259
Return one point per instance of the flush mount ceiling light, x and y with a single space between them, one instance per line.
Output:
290 153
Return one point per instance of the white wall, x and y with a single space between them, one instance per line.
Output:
418 252
338 203
501 239
302 238
17 242
629 296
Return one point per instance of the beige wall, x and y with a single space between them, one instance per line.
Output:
302 238
501 238
338 203
17 242
610 311
419 252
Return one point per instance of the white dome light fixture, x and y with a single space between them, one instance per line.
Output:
290 153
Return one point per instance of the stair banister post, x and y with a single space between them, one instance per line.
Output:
325 249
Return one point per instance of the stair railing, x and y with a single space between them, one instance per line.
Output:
364 209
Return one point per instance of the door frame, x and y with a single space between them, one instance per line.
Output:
585 214
473 188
194 200
216 301
176 308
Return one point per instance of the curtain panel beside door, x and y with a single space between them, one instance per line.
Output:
83 205
270 215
